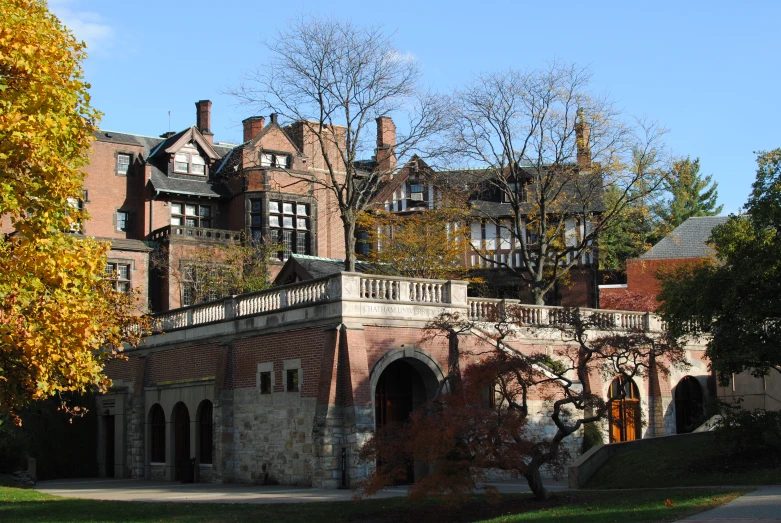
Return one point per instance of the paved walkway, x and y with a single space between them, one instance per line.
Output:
764 504
142 490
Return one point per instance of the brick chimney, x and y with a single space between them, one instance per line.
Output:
583 137
203 119
386 143
252 127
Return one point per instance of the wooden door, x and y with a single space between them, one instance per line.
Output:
615 422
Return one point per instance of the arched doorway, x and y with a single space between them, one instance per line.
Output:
688 404
183 470
205 432
157 434
624 413
403 386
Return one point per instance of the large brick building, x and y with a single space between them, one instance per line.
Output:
158 199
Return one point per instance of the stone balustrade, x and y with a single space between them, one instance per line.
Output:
492 310
353 287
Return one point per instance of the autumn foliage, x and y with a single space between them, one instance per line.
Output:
59 319
504 406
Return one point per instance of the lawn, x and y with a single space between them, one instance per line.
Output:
22 506
682 462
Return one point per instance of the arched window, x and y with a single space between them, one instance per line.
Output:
157 434
205 432
625 412
688 404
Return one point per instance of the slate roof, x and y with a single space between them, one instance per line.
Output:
688 240
187 185
313 267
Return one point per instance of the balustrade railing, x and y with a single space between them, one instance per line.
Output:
352 286
389 288
495 310
195 233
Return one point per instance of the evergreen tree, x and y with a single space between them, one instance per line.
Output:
691 195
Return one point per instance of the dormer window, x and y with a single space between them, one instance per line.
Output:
522 192
188 161
274 160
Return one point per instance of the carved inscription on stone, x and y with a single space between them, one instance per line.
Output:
399 311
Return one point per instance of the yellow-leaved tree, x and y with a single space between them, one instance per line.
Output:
60 321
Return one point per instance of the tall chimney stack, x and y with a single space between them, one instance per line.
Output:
252 127
583 137
386 144
203 119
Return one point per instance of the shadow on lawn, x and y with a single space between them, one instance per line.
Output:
588 508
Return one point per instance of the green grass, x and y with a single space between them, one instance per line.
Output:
24 505
682 462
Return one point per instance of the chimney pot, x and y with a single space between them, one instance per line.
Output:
252 126
275 118
203 119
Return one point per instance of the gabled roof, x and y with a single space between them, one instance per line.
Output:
688 240
300 267
173 143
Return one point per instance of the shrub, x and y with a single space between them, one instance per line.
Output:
592 436
750 432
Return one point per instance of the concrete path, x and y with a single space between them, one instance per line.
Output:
764 504
142 490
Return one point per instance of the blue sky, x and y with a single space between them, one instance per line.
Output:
707 71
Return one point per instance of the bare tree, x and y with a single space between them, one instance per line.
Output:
336 79
551 147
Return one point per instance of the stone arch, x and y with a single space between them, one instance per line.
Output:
157 434
422 361
402 381
180 442
204 433
689 400
624 416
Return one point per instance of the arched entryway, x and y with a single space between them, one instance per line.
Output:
624 413
404 385
688 404
205 442
183 470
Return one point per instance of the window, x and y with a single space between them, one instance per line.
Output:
123 164
78 205
191 215
157 434
274 160
292 380
265 382
522 191
205 432
119 273
289 224
123 220
189 161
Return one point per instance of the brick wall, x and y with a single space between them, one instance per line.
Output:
306 345
107 192
185 363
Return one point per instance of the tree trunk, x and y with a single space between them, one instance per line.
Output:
537 294
349 242
534 479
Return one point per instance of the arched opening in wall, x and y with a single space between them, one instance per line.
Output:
205 432
404 385
624 413
183 470
688 404
157 434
